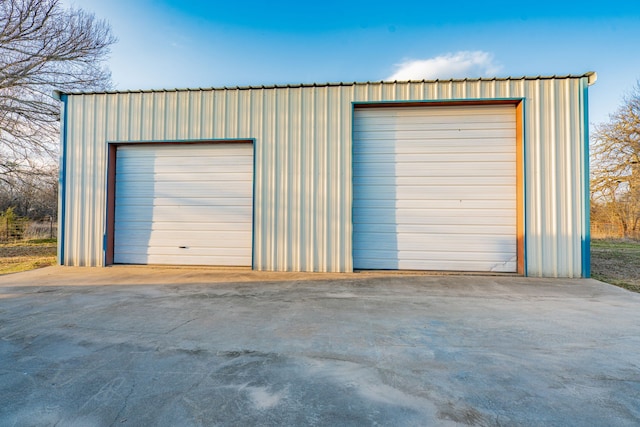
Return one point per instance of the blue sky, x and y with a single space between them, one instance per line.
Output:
198 43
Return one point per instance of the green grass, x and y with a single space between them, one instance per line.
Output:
40 241
27 255
616 262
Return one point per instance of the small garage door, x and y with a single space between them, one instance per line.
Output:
435 188
184 204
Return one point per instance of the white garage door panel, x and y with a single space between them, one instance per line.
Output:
434 169
183 164
166 201
481 134
435 146
416 229
434 204
399 127
224 239
179 189
432 218
435 188
190 260
437 113
420 255
183 226
191 213
428 158
480 245
189 151
415 193
385 211
435 180
179 252
141 176
450 265
184 204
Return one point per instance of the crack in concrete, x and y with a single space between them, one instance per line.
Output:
124 404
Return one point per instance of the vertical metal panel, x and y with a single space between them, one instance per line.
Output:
302 206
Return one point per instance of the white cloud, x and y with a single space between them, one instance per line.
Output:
450 65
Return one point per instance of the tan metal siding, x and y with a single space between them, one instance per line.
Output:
303 162
555 193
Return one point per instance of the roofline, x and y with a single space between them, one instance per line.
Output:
591 76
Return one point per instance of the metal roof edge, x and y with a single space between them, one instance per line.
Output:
591 76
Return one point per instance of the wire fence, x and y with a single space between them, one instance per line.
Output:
612 231
20 229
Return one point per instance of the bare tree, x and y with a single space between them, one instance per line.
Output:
43 46
33 196
615 165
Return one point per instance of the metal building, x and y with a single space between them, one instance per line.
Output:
487 175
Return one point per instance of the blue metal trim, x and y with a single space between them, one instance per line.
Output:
586 195
525 217
353 120
62 179
253 209
106 206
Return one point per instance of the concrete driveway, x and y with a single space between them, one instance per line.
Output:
160 346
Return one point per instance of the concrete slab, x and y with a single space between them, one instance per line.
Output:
188 346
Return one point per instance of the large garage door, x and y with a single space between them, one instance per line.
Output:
435 188
185 204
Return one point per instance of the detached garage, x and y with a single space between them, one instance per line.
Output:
474 175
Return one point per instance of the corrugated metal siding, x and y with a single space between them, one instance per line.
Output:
303 162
